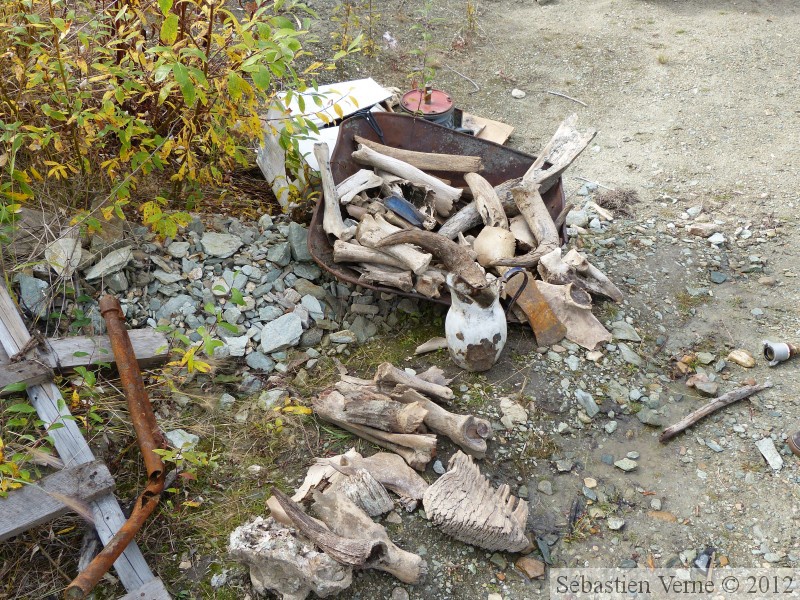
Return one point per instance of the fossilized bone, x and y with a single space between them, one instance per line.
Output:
372 231
387 373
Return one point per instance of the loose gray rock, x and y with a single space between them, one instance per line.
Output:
626 464
259 361
178 249
33 294
226 402
649 417
622 330
767 448
343 337
182 304
610 427
270 398
220 245
545 487
111 263
587 402
438 467
182 439
615 523
117 282
564 465
280 254
284 332
298 240
629 355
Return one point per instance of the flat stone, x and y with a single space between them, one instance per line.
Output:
280 254
110 263
607 459
615 523
626 464
183 304
178 249
629 356
268 399
513 412
587 402
714 446
306 270
283 332
343 337
622 330
33 294
398 593
297 237
579 218
610 427
167 278
269 313
767 448
181 439
438 467
545 487
742 357
717 277
649 417
717 239
226 402
305 287
702 229
220 245
64 255
313 306
237 345
117 282
518 94
258 361
564 465
705 358
530 567
573 362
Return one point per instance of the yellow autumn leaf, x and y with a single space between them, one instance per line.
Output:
297 410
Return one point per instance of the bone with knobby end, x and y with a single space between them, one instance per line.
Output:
417 449
347 252
363 179
487 201
466 431
373 230
456 259
595 281
444 195
540 223
427 161
387 373
397 220
434 374
373 274
563 148
572 306
373 409
464 505
393 473
347 551
432 345
348 520
332 222
494 244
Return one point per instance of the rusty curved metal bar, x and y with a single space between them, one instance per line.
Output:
149 437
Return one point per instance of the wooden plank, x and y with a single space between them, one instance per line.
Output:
151 348
493 131
152 590
39 503
131 566
29 372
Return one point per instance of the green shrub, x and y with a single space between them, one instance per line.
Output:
141 101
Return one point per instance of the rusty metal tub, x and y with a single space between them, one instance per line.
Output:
411 133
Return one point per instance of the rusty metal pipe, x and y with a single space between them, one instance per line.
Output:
149 437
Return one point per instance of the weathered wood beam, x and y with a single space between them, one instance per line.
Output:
151 348
40 502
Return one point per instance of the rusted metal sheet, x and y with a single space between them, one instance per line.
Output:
149 437
411 133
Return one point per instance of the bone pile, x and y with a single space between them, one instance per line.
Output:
407 228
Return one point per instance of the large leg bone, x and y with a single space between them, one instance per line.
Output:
358 182
347 520
486 201
386 276
388 373
466 431
371 409
353 253
444 195
540 223
373 230
332 221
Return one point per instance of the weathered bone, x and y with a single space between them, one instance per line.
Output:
522 233
332 222
361 180
386 276
540 223
373 230
444 195
434 374
430 283
348 520
387 373
486 201
573 307
427 161
563 148
393 473
494 244
466 431
574 268
456 259
284 563
465 506
347 551
354 253
432 345
365 407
